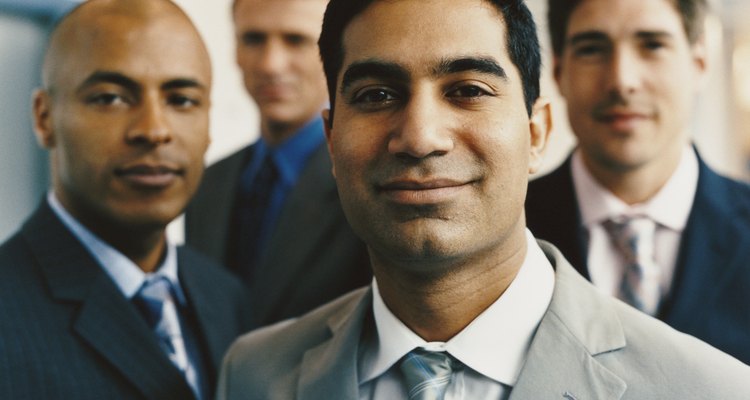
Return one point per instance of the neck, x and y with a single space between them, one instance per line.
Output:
439 306
145 247
637 184
146 253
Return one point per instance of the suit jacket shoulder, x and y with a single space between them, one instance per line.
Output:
67 332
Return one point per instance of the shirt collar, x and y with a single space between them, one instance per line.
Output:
495 344
126 274
669 207
290 156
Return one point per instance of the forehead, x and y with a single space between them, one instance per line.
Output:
280 16
626 17
159 49
418 33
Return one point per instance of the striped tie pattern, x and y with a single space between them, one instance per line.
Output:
427 373
155 301
634 239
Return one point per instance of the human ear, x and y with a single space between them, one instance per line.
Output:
540 127
43 130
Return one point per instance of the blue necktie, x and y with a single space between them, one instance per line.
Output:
427 373
252 208
634 240
156 303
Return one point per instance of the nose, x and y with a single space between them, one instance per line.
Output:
150 125
423 129
625 71
272 58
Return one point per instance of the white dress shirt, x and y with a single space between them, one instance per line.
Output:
669 209
492 348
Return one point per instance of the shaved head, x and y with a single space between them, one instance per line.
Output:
87 24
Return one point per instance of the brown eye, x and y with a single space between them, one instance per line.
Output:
105 99
467 91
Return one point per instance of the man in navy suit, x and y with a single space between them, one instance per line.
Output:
292 245
630 71
124 114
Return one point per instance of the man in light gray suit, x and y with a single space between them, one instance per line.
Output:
436 123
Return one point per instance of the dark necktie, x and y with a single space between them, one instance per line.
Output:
157 306
252 208
634 239
427 373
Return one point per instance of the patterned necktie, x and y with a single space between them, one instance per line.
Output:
156 303
427 373
634 239
255 197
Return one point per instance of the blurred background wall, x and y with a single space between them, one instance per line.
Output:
720 125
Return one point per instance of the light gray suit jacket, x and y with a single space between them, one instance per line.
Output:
588 347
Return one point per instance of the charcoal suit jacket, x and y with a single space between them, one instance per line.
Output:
312 255
68 332
710 295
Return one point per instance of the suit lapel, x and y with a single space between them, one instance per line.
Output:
301 222
106 321
215 319
329 371
714 250
562 360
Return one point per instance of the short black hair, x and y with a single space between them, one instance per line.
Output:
522 42
692 13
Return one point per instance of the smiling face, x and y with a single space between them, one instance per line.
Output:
125 117
278 54
629 76
431 141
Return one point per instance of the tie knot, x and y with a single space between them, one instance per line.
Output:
427 373
632 236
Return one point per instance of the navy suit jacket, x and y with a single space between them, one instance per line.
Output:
312 256
67 332
710 295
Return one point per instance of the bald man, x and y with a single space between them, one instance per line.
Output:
95 303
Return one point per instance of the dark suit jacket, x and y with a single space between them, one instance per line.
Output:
588 347
710 295
312 255
67 332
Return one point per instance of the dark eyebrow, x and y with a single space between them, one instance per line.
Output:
484 65
601 36
387 70
373 69
587 36
182 83
654 35
111 77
